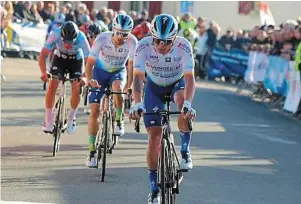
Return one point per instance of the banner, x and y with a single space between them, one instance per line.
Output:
257 65
227 63
186 6
26 36
275 79
294 93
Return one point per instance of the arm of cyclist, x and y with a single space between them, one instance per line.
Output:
91 60
48 47
189 79
138 79
132 44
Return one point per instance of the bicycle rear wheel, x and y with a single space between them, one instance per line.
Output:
105 144
57 131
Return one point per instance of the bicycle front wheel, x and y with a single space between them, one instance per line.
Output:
105 135
57 131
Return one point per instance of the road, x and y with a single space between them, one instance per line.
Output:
242 152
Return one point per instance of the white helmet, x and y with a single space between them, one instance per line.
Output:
164 26
123 22
59 18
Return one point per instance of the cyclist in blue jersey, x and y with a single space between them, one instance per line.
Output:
168 61
106 66
72 47
59 19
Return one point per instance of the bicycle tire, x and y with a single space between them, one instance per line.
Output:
105 144
57 131
98 148
162 172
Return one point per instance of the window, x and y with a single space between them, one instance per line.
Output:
245 7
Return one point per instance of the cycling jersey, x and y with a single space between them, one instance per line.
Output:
110 58
84 28
164 70
52 27
81 43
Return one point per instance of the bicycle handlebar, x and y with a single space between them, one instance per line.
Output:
161 113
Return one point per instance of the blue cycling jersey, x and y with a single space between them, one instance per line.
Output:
81 43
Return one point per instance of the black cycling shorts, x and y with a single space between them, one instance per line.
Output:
60 66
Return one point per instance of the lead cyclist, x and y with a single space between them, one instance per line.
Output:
108 56
168 61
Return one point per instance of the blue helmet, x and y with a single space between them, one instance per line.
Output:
164 26
123 22
59 18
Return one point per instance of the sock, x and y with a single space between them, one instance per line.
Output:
118 113
92 143
152 175
71 115
48 115
185 141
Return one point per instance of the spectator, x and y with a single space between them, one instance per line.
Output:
18 8
242 40
110 15
40 7
93 14
227 40
144 17
8 6
212 33
27 15
35 14
121 12
70 15
187 22
142 30
133 14
190 34
102 14
200 22
63 10
51 11
201 48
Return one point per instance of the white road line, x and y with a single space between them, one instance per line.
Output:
250 125
274 139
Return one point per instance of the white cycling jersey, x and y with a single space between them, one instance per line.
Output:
111 58
164 70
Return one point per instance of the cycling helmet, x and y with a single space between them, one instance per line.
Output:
94 29
69 31
123 22
85 19
146 27
164 26
59 18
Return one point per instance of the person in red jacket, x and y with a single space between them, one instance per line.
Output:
142 30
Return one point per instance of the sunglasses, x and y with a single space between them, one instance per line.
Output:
68 41
123 34
158 41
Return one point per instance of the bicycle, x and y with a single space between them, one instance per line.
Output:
169 173
106 139
59 114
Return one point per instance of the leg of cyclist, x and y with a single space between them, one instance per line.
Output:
57 71
94 100
118 81
75 71
153 102
178 98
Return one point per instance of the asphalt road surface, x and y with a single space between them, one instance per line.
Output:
243 153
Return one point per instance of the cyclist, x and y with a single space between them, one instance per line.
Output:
59 19
93 31
71 48
168 61
108 55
